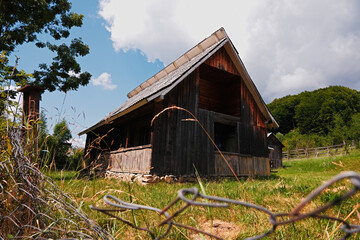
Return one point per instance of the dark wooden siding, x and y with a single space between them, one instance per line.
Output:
241 165
174 142
221 60
130 130
275 155
252 128
204 145
179 144
219 91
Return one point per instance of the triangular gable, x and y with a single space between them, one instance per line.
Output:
185 58
222 61
168 78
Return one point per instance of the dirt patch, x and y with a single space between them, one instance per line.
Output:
218 228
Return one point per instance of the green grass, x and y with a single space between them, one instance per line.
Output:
281 192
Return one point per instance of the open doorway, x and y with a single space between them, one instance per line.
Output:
226 137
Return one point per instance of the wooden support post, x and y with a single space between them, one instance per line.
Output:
31 113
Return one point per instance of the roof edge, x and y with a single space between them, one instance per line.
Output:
216 37
230 48
110 119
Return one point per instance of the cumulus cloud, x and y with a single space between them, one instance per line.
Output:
77 142
164 29
104 80
303 45
287 46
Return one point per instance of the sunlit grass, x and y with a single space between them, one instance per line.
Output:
281 192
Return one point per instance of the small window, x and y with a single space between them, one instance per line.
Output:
226 137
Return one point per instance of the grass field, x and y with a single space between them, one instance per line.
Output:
281 192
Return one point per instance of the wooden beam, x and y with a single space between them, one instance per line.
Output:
225 119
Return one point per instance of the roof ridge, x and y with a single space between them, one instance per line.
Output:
216 37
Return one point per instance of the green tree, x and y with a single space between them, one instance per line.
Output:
7 75
314 112
59 144
23 21
77 159
43 131
283 110
354 129
340 131
43 141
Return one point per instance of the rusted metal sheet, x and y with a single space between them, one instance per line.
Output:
241 165
134 160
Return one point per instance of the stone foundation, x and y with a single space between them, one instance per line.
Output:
148 178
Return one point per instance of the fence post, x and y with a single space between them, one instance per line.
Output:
328 151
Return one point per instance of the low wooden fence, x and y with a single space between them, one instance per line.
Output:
242 165
334 150
132 160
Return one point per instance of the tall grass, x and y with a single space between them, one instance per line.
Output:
281 192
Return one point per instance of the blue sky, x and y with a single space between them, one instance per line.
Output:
90 104
287 46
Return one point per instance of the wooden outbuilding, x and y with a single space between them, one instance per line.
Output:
31 116
211 82
275 151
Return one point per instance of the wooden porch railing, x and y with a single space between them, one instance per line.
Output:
134 160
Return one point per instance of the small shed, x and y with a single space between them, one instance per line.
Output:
210 81
275 148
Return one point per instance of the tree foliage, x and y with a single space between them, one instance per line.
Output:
314 112
322 117
23 21
7 74
283 110
59 144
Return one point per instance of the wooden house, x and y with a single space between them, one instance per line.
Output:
275 151
210 81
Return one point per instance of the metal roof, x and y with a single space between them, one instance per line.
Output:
165 80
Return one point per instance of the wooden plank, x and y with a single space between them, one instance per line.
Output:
132 161
226 119
131 149
241 165
221 60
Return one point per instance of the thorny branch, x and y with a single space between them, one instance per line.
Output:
218 202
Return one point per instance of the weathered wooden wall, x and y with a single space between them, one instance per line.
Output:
242 165
275 157
179 145
134 160
252 128
174 140
214 87
221 60
219 88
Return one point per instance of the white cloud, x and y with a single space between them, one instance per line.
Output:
303 45
164 29
287 46
14 105
77 142
104 80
